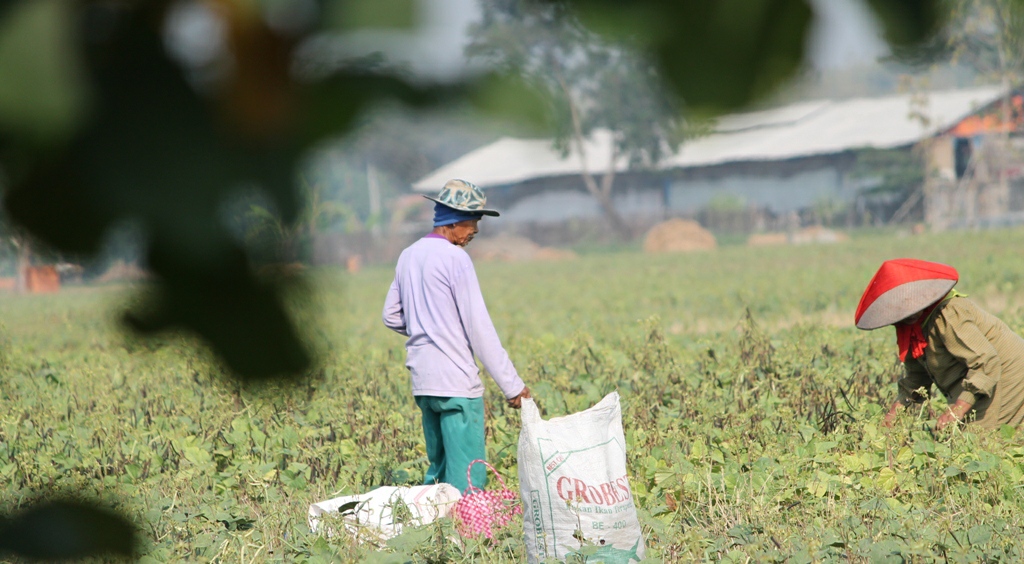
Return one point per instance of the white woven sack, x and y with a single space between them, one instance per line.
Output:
572 474
369 516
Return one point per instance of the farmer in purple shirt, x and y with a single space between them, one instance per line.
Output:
435 300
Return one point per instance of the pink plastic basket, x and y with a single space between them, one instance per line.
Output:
480 512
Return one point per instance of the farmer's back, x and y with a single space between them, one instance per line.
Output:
440 358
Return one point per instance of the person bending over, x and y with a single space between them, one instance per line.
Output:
945 339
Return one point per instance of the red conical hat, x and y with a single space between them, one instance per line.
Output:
901 288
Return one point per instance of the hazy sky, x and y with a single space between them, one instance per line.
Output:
844 34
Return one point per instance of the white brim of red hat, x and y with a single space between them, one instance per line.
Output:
903 301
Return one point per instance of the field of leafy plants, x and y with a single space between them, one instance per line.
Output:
752 410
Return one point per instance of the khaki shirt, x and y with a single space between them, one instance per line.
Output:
972 356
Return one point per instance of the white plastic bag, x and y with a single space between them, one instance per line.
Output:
371 516
572 475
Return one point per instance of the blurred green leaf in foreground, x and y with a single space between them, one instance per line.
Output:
59 530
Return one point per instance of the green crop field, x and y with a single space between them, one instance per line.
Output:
752 410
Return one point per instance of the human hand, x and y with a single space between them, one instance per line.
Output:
517 402
890 417
954 414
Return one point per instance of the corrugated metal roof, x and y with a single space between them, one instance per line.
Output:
798 130
773 117
509 160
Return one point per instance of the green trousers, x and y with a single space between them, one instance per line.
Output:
454 430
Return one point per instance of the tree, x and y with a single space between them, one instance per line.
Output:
988 37
591 85
287 240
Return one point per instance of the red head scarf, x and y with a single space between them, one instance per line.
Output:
901 288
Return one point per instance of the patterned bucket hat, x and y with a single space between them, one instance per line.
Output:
463 196
901 288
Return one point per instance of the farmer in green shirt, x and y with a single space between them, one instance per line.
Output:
945 339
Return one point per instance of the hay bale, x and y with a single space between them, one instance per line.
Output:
511 248
807 236
817 234
678 236
767 239
503 248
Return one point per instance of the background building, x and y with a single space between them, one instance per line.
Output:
944 157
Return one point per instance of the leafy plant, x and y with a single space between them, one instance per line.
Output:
752 411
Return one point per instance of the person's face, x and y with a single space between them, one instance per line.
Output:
911 319
464 231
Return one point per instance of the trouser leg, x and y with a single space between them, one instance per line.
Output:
434 441
462 429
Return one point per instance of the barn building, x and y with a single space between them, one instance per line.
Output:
777 165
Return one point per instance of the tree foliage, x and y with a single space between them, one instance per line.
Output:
989 36
632 68
591 84
400 146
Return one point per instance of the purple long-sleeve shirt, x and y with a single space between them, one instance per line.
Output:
436 301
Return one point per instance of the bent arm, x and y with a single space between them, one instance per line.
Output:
393 314
483 338
914 378
965 340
